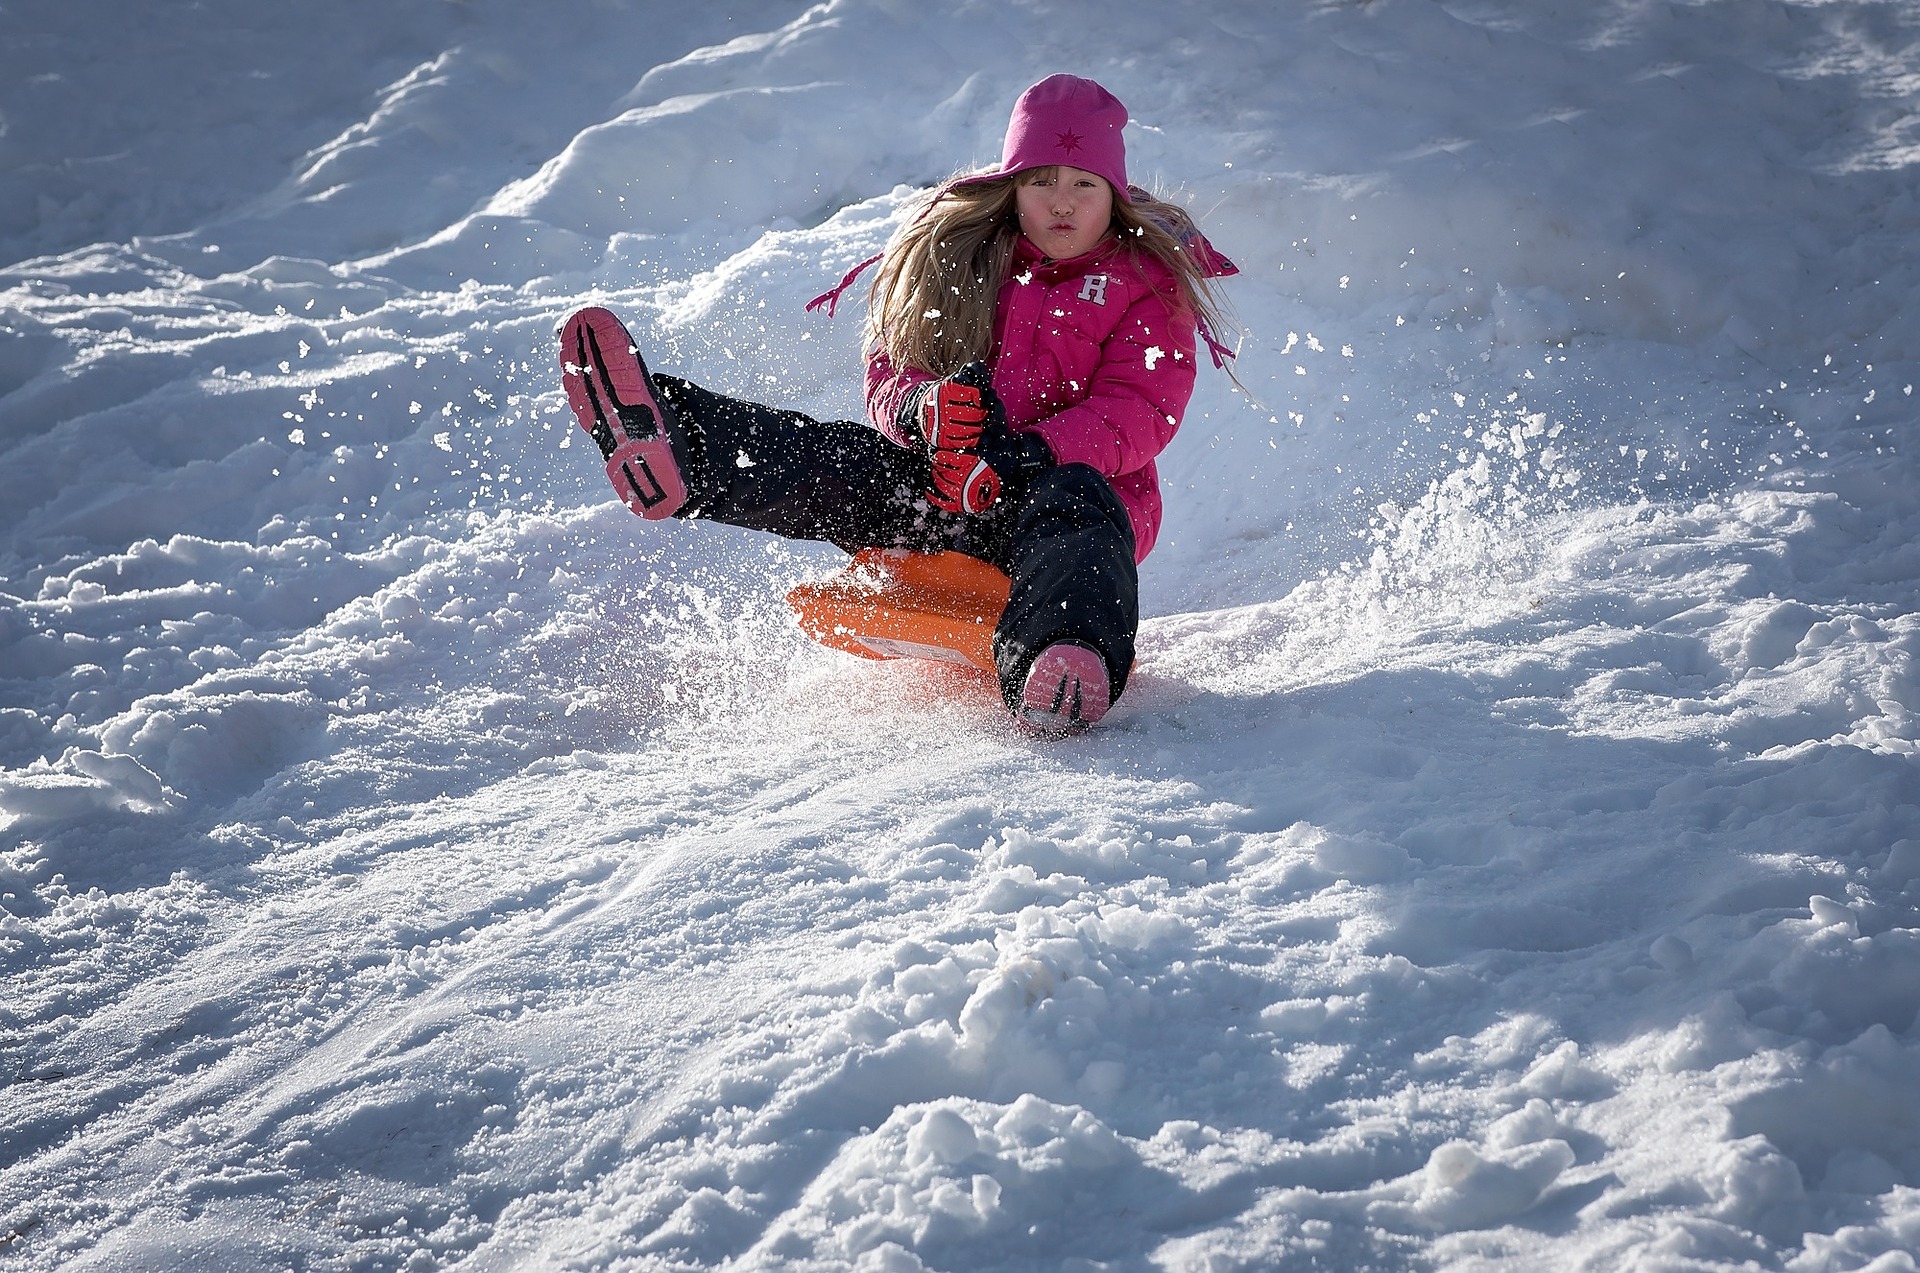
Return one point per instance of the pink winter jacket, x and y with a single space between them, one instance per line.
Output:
1093 356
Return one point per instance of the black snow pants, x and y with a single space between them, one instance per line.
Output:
1066 541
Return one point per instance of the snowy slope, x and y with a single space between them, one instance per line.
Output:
1508 855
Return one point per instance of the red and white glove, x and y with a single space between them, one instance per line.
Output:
963 482
948 414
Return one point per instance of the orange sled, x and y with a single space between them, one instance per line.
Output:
893 604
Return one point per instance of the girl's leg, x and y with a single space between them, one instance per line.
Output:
1068 548
673 449
780 471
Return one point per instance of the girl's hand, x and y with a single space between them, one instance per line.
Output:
1003 460
963 482
949 413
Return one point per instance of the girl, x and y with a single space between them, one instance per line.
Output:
1031 350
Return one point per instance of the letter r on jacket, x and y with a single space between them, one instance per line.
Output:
1094 288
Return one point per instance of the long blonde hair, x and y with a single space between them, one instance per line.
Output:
934 295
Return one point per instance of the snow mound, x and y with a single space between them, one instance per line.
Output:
1507 854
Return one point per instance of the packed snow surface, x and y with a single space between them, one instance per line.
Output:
1507 857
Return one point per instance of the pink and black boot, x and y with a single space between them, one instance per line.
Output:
614 399
1066 691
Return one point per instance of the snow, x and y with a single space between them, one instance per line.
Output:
1507 855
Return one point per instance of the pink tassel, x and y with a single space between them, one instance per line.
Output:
1219 351
831 297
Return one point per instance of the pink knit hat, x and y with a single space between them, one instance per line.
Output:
1064 120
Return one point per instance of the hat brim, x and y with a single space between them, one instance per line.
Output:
1123 193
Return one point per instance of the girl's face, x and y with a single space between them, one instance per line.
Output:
1065 211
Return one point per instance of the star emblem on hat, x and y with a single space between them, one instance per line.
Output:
1068 141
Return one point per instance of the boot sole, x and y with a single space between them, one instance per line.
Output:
612 396
1066 691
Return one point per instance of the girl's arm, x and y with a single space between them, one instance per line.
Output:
887 389
1137 396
